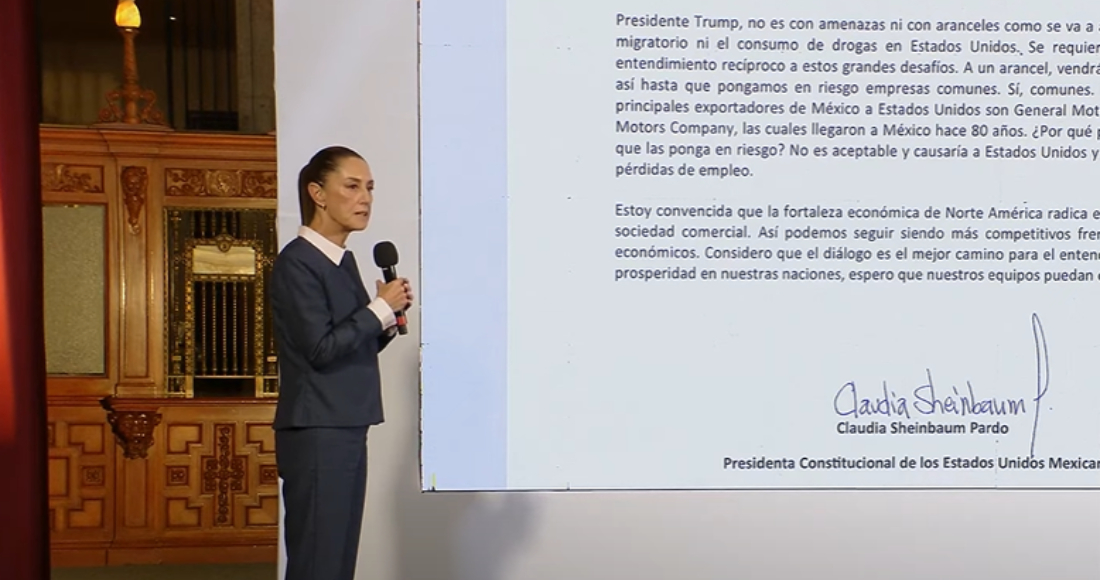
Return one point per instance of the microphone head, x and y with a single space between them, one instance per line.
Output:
385 255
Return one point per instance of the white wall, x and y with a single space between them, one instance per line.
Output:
347 73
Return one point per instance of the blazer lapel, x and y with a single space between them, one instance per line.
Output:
350 270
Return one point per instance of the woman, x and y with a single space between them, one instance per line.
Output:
328 332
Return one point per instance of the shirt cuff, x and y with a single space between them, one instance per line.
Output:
384 313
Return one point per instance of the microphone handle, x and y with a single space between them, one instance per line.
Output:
389 274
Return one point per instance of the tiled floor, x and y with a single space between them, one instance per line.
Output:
168 572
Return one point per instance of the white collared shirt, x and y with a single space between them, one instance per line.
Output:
335 253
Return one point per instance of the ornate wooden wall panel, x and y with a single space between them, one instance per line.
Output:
136 476
201 478
81 477
71 179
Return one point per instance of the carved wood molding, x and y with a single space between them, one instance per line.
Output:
133 428
224 474
64 178
220 183
219 470
135 188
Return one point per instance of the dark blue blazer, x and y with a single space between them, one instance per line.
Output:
327 341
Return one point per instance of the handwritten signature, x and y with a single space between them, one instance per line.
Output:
926 400
1042 373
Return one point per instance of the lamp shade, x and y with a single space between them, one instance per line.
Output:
127 14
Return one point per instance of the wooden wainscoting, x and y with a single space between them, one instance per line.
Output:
81 484
205 489
144 481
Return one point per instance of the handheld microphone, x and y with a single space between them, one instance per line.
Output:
385 257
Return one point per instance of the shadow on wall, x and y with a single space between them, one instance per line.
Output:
455 536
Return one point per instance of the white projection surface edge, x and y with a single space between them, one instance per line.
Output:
347 73
761 245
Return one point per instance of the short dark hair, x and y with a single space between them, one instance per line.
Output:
319 167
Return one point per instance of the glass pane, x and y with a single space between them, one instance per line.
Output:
74 239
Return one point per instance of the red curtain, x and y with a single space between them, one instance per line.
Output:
24 530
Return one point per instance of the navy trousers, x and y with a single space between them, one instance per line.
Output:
324 472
